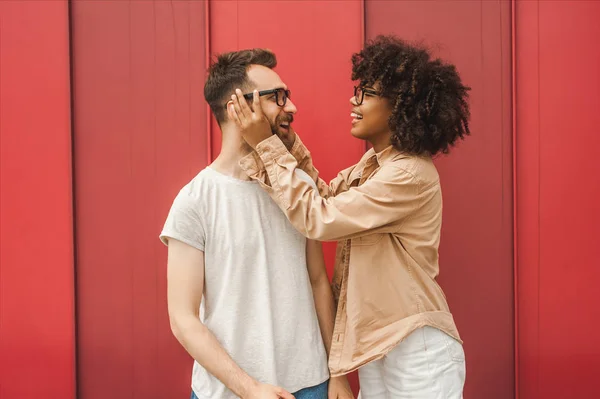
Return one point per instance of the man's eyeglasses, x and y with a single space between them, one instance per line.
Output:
359 94
281 95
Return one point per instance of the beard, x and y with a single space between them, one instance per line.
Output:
287 136
285 118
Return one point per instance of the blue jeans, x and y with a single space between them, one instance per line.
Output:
316 392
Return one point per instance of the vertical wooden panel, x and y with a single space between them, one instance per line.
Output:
476 268
527 205
36 238
139 136
558 81
313 55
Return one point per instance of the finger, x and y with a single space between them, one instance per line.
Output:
285 394
237 108
243 104
256 104
232 114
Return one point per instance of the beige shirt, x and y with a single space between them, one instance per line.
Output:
386 214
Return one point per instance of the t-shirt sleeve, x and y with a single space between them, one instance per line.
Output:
184 222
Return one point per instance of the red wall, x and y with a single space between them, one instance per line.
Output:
558 187
476 268
37 351
139 119
141 131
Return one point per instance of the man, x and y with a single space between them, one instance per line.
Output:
248 296
393 322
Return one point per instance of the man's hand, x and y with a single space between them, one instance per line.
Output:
265 391
253 124
339 388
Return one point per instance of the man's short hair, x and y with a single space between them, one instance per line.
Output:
228 72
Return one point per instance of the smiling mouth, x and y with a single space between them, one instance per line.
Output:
356 117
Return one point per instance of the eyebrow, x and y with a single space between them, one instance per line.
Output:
279 88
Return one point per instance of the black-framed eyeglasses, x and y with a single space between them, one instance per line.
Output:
359 94
281 95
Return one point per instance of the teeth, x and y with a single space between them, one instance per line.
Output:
355 115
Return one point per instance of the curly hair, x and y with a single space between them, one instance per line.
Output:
429 102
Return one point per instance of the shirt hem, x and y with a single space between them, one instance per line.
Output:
311 385
289 389
420 320
166 235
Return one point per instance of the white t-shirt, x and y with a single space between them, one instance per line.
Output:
258 300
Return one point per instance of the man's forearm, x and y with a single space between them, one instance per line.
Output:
204 347
325 310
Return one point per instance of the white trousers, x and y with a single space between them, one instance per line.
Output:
428 364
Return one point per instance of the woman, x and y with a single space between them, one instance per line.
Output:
393 323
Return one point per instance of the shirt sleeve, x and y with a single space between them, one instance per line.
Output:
390 195
254 165
184 222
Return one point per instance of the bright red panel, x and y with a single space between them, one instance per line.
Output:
37 349
528 197
558 140
313 54
476 267
140 134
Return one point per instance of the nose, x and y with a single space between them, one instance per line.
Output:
289 107
353 101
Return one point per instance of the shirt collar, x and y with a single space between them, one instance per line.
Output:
382 156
